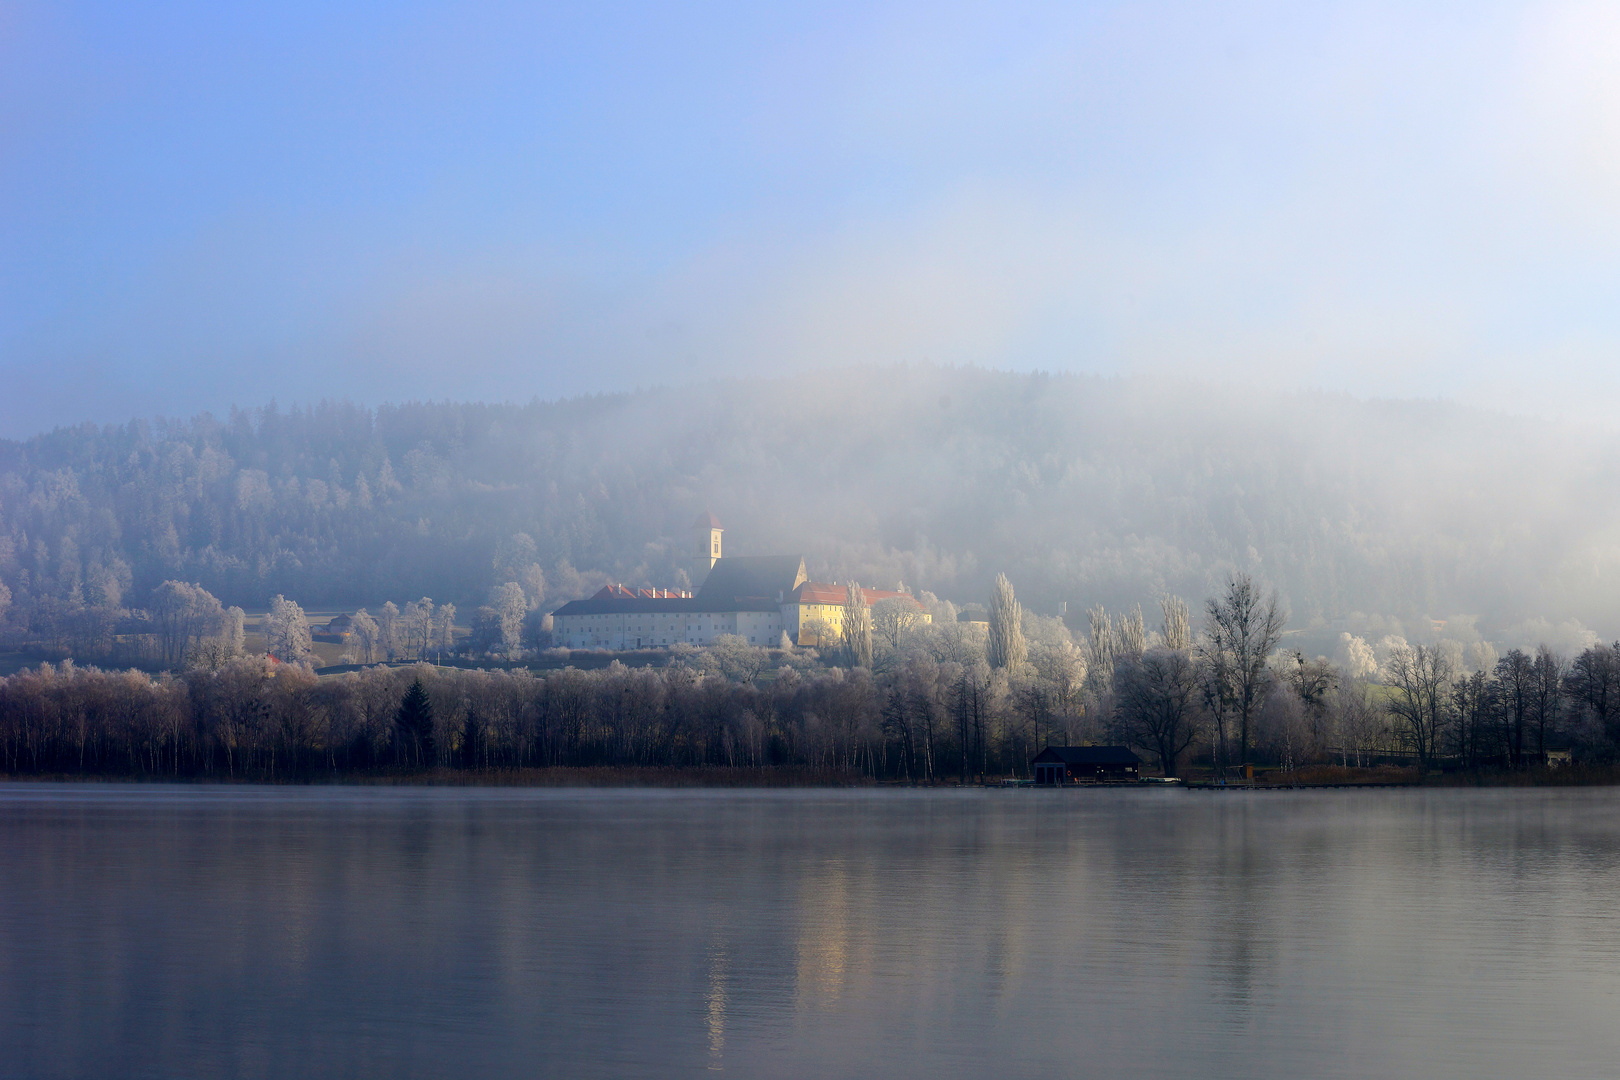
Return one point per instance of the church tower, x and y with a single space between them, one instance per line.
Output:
706 549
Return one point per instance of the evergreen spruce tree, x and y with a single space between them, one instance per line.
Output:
415 723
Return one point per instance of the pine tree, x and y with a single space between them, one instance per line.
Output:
415 723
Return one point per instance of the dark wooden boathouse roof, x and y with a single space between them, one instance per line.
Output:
1089 755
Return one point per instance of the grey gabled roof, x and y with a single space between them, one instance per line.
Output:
1088 755
741 578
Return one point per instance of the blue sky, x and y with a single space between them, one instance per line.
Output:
210 204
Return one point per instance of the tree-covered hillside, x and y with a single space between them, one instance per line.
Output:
1083 490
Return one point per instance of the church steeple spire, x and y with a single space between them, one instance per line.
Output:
706 548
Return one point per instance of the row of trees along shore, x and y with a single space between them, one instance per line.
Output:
900 700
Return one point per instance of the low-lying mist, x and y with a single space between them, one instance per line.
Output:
1422 520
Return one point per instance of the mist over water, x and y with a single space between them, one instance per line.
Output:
336 932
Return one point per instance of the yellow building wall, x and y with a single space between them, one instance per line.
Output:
832 614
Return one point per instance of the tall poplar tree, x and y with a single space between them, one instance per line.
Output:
857 626
1006 647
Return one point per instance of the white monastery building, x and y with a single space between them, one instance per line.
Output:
755 597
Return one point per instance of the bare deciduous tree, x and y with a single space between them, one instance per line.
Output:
1420 676
1593 683
1549 697
1156 704
1516 693
1356 722
1312 681
1244 627
817 633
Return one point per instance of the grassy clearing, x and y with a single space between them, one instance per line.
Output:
1335 774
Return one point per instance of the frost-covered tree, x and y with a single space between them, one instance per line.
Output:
367 636
857 628
1357 656
509 606
1102 648
1177 628
388 629
287 631
1006 646
737 660
891 619
235 632
1133 634
417 623
183 615
444 629
516 559
223 645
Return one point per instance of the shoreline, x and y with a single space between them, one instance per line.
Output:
727 777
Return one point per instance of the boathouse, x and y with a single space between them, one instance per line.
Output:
1085 765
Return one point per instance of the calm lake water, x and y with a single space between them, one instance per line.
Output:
298 932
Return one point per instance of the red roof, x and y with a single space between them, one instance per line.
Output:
619 592
821 592
707 520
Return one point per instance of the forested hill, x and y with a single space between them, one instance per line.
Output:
1083 490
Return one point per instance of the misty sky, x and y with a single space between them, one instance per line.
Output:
203 204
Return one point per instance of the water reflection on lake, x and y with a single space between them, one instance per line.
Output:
204 931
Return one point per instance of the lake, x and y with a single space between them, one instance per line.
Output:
207 931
